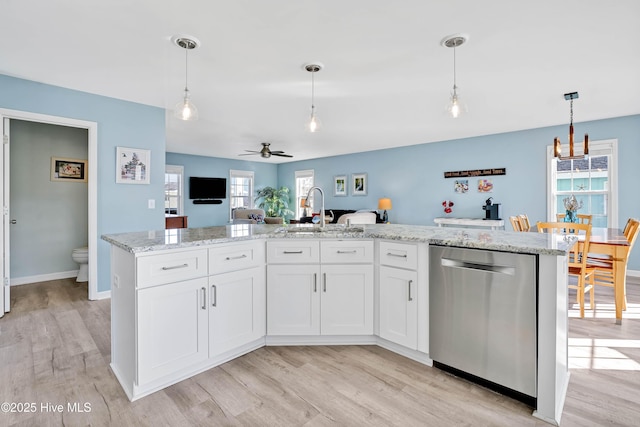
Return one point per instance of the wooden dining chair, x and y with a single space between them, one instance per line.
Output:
578 262
515 223
525 225
582 218
604 274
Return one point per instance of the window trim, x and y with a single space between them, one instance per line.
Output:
178 170
236 173
306 173
602 147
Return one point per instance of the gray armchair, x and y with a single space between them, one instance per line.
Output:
253 216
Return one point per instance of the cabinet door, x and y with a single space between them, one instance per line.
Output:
293 300
172 328
236 309
347 300
399 306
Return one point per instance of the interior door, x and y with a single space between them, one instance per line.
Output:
4 230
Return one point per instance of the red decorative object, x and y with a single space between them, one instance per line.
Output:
447 204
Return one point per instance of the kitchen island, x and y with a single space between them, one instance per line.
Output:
185 300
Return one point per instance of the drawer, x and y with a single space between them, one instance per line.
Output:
236 257
346 251
171 267
296 251
401 255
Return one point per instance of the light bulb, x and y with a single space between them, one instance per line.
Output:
456 107
185 109
314 123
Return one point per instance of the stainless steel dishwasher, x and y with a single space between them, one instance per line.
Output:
482 318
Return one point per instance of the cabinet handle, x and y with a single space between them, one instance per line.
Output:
204 298
231 258
347 252
292 252
315 282
214 294
173 267
324 282
396 255
410 282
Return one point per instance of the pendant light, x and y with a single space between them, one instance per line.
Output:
314 124
455 107
185 109
556 141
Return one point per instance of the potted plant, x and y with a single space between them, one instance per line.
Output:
275 202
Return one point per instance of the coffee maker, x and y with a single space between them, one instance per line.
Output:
492 210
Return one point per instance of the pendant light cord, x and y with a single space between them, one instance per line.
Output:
186 68
312 90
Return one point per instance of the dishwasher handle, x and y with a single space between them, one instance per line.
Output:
446 262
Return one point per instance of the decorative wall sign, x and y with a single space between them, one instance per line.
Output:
70 170
477 172
132 166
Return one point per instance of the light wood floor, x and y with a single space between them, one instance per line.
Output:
55 348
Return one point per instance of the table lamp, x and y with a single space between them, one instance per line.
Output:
385 204
303 203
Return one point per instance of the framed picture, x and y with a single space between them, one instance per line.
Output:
359 184
132 166
485 186
70 170
340 185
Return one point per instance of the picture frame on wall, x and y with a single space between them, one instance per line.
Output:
68 170
359 184
340 185
133 166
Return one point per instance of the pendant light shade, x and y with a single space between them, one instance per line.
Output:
314 124
186 109
456 107
557 145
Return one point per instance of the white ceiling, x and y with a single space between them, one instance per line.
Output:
386 79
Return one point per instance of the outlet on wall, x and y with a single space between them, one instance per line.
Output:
152 203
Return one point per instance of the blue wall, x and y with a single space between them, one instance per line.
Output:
413 177
265 174
121 207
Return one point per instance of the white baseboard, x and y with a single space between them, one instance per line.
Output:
102 295
16 281
633 273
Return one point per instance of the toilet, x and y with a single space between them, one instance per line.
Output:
81 256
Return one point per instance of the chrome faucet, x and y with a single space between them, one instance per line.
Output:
321 202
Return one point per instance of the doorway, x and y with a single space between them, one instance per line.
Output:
91 127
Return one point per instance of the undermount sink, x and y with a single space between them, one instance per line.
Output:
317 229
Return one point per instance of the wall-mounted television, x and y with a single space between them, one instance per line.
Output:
207 188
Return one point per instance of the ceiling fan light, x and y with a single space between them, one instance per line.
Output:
185 109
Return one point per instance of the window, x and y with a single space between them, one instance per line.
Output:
593 181
173 190
304 182
240 190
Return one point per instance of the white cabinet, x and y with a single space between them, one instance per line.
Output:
399 306
308 296
172 328
346 306
236 309
403 295
293 300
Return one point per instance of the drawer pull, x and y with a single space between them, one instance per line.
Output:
214 292
204 298
347 252
396 255
410 282
174 267
324 282
292 252
315 282
231 258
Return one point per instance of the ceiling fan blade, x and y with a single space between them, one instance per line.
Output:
249 154
274 153
277 152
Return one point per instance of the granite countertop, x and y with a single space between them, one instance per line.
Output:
498 240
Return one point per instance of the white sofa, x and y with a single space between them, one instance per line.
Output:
253 216
358 218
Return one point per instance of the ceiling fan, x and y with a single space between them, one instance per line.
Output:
266 152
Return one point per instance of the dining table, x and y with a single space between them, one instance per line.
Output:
611 242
